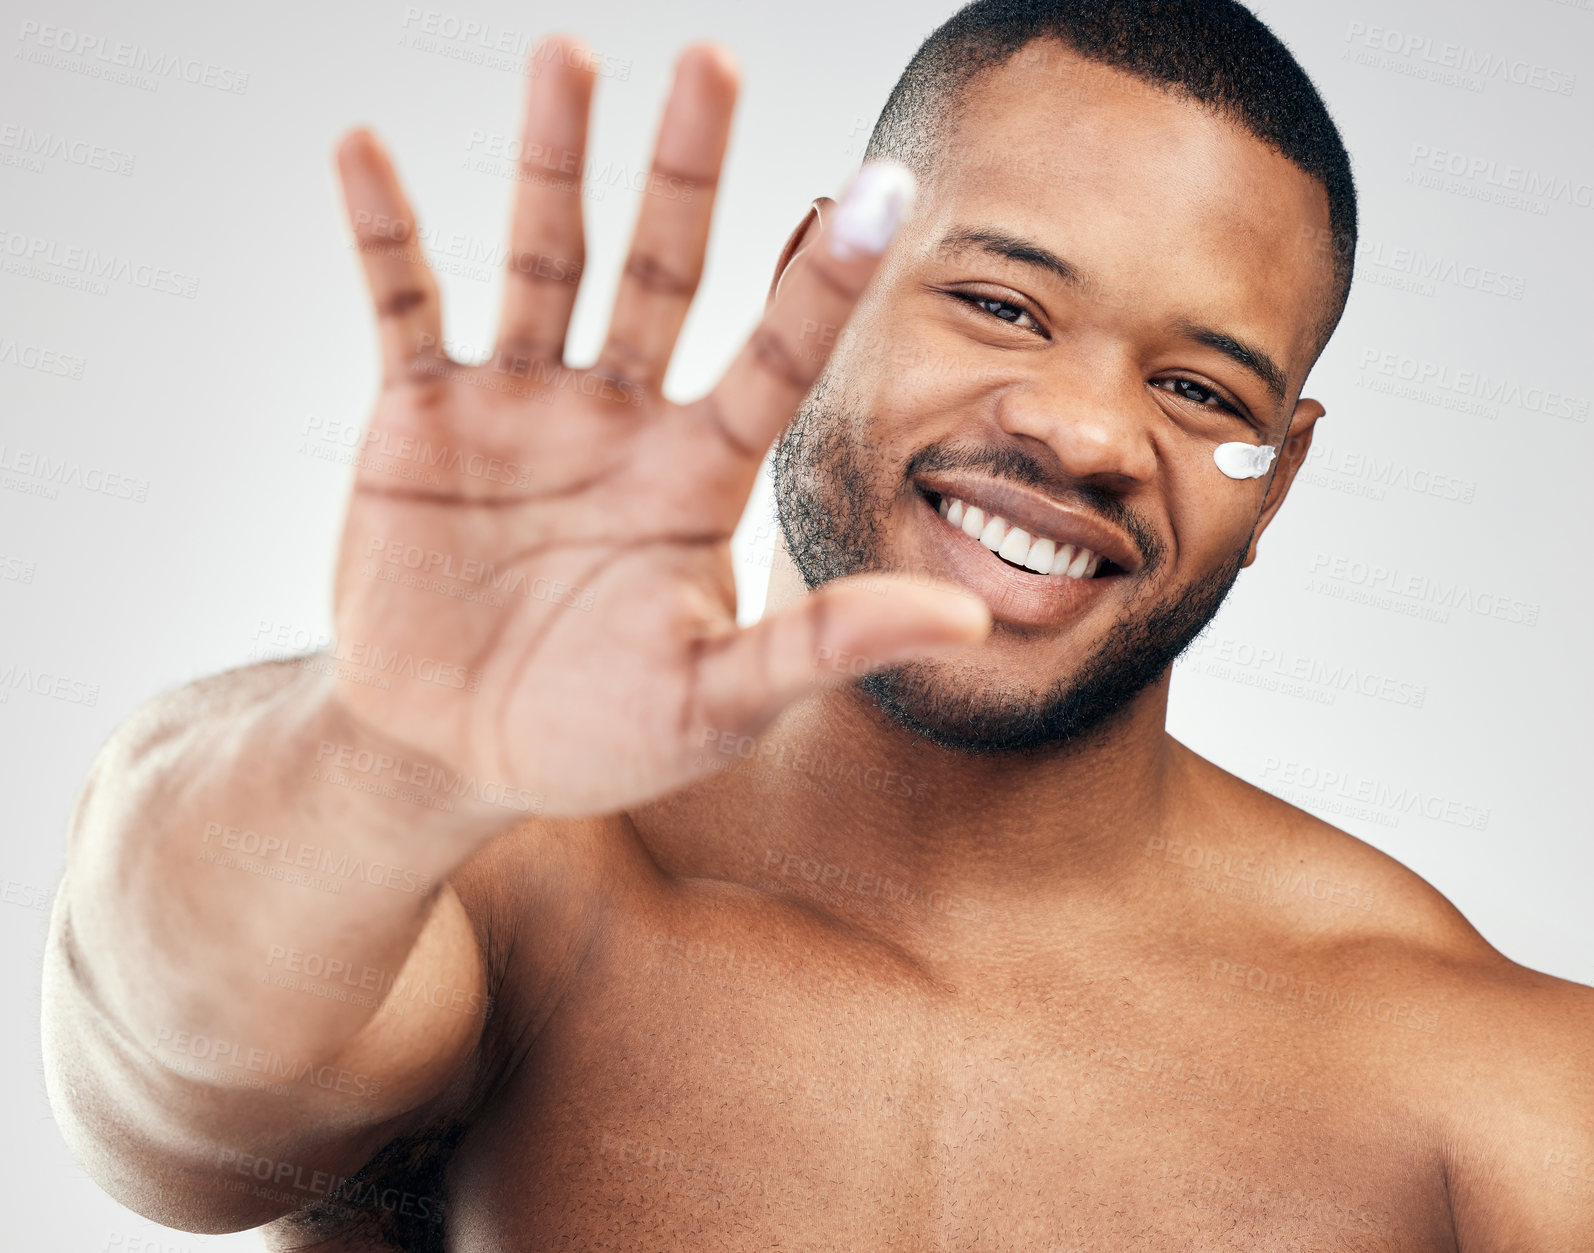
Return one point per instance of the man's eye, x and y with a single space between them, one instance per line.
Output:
1016 315
1196 394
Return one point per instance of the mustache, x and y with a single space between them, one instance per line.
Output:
1017 466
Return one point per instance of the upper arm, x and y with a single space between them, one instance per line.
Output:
220 1139
504 940
538 897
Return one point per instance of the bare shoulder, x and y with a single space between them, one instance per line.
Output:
1374 912
1328 883
1493 1058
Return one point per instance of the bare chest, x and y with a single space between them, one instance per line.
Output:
741 1079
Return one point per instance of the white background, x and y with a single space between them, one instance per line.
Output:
208 400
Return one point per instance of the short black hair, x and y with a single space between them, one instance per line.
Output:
1216 52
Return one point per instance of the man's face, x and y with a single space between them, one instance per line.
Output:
1100 284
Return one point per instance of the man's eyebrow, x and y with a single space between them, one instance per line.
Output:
1001 243
1249 356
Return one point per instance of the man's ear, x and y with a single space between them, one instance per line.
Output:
1292 452
805 234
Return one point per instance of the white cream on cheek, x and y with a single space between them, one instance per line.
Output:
1243 461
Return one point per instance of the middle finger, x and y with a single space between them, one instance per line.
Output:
665 262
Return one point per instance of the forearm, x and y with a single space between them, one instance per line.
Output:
229 882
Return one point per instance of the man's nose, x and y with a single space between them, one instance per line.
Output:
1094 415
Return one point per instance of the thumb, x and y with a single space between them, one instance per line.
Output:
839 633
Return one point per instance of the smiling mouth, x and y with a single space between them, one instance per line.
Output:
1036 555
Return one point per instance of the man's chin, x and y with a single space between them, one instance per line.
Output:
956 711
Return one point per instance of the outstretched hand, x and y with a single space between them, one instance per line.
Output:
549 548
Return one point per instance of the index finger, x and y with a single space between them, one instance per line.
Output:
781 360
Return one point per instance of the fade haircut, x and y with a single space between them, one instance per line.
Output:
1216 52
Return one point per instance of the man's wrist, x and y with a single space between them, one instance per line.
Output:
343 762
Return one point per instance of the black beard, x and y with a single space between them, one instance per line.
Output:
823 502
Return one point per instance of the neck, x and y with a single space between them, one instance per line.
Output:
842 783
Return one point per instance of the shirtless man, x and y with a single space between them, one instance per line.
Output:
550 910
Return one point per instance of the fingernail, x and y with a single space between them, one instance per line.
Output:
874 206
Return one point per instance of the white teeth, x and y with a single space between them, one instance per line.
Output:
1043 556
1039 557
